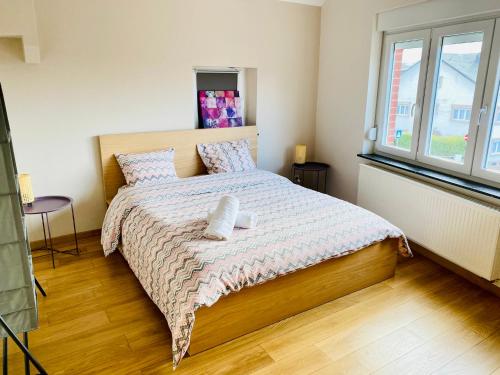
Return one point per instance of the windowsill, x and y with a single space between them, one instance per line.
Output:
475 187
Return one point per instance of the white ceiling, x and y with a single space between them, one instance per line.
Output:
317 3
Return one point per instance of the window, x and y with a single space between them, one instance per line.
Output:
456 52
436 86
403 109
490 159
461 113
404 79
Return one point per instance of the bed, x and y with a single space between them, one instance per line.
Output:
308 248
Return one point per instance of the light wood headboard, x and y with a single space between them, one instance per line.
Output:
187 161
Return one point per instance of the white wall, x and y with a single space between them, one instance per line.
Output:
343 115
123 66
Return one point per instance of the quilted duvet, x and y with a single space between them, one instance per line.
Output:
160 228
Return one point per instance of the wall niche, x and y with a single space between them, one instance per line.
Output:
217 85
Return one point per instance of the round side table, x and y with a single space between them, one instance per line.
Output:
318 172
43 206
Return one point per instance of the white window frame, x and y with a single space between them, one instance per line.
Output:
483 107
431 85
384 90
487 119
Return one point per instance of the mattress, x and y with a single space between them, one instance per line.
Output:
160 230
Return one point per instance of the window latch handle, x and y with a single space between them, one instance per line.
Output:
413 109
482 111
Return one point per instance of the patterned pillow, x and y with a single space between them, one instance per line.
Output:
148 168
231 156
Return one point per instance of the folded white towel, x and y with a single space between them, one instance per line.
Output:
223 219
244 220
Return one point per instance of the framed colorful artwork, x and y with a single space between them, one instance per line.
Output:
219 109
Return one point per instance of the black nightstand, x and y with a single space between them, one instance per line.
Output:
311 175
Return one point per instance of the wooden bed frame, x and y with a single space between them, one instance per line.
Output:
187 160
252 308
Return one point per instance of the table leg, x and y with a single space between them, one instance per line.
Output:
326 179
295 177
74 229
26 358
50 240
44 234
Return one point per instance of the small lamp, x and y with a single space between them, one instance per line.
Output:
300 154
27 196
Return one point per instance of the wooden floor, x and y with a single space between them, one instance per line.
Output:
97 319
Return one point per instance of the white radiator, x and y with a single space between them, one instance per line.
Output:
461 230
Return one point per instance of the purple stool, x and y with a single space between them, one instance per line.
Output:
42 206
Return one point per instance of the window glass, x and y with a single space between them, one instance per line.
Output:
403 86
457 71
493 150
437 91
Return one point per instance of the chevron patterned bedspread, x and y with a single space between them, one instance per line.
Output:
161 231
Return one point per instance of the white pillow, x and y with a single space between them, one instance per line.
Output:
230 156
148 168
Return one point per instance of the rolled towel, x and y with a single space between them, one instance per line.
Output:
223 219
244 220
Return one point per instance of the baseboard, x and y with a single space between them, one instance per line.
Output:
67 238
469 276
